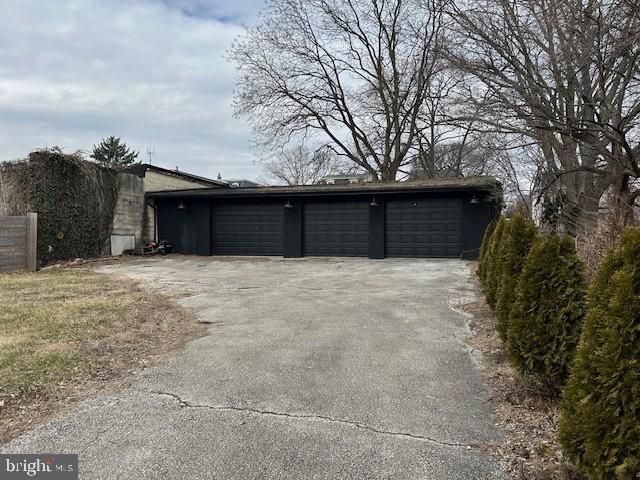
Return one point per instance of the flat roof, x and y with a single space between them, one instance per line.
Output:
469 184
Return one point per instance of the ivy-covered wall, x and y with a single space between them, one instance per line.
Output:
74 199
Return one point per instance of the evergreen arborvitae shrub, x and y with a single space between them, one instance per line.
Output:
486 240
600 414
544 327
496 256
517 244
501 256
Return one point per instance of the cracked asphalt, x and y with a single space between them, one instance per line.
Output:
313 369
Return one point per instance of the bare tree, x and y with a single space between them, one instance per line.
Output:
300 166
351 75
565 75
469 157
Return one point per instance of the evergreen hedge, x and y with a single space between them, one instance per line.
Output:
493 262
482 260
600 415
550 304
516 246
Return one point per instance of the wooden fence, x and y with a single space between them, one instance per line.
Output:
18 243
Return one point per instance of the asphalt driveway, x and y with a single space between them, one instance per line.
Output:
313 368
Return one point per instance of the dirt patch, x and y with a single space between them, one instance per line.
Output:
527 416
69 334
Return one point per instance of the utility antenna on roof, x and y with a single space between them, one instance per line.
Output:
150 153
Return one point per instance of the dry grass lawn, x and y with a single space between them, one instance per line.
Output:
70 333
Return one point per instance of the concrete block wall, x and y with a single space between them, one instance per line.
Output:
150 230
128 218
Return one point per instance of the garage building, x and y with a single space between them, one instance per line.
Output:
431 218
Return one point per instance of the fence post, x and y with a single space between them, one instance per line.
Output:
32 241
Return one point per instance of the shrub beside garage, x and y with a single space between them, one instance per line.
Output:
544 325
600 415
555 336
493 262
486 240
516 246
535 286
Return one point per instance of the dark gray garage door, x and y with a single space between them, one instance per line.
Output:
423 228
336 228
247 229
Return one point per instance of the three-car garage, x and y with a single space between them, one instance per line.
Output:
402 219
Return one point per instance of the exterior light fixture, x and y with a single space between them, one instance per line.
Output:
288 204
474 200
182 206
373 202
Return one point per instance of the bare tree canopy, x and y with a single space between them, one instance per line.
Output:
456 159
349 74
564 74
300 166
542 90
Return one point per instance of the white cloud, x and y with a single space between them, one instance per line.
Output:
150 71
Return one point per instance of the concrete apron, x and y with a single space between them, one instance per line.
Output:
313 368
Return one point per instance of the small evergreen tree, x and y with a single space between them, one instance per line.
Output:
600 414
550 304
516 247
486 240
494 267
114 153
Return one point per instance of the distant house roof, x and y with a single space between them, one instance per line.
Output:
240 182
338 178
469 184
346 175
140 169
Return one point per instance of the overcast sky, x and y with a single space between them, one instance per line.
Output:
150 71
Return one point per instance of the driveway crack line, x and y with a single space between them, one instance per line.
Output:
422 438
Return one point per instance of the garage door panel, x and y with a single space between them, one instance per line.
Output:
248 229
423 228
336 228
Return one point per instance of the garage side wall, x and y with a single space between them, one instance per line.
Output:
186 225
475 218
